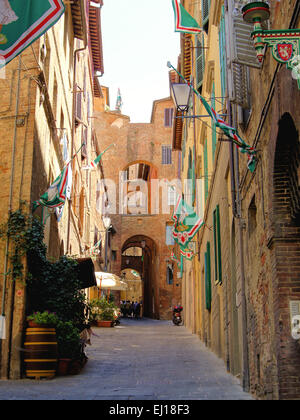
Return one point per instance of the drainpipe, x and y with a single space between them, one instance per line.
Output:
245 373
76 52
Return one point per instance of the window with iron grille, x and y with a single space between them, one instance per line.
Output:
169 117
166 155
78 104
205 14
84 140
200 61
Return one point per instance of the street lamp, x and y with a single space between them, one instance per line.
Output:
107 225
181 95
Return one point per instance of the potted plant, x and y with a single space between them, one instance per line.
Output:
106 318
102 312
69 346
44 319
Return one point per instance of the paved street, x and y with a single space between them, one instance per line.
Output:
139 360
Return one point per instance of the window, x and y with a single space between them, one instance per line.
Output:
78 104
252 211
200 62
223 64
169 117
217 246
166 155
214 127
205 14
170 275
190 191
169 235
207 268
205 169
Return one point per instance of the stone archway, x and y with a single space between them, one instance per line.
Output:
145 265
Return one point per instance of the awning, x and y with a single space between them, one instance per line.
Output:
110 281
86 273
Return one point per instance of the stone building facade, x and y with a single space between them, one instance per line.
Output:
140 214
241 292
46 116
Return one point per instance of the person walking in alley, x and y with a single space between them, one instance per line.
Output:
137 309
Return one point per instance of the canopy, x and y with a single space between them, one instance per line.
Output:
86 273
110 281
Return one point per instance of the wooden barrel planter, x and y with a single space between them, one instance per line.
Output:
40 353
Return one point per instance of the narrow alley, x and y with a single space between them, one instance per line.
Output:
138 360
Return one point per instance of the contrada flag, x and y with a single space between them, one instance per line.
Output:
184 22
24 21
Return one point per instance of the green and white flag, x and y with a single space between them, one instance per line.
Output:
184 22
187 253
93 165
232 133
56 194
186 224
229 131
24 21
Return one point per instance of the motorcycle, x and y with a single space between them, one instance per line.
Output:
177 320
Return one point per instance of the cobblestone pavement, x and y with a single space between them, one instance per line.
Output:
139 360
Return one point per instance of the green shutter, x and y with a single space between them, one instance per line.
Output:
205 169
217 246
207 277
214 127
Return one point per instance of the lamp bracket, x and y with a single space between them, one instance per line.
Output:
285 43
285 46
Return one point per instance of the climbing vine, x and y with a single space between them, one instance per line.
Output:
52 286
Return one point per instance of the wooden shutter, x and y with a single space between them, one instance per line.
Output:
186 40
240 41
84 147
240 90
207 267
217 246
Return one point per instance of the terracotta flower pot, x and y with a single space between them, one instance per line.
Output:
104 324
63 366
75 367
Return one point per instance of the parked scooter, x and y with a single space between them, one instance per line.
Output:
177 320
